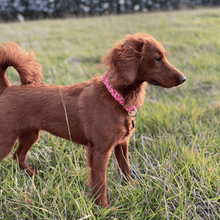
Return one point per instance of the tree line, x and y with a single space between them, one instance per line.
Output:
38 9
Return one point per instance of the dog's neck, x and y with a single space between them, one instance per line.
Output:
134 93
130 95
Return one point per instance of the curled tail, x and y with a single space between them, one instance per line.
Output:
25 64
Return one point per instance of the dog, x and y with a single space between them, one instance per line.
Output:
98 113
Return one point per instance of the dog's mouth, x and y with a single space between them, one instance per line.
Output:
154 82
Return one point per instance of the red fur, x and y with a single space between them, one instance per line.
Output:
93 117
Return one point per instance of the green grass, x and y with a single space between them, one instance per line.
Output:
174 153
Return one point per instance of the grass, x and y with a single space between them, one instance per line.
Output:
174 153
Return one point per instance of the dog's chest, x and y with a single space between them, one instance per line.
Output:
128 127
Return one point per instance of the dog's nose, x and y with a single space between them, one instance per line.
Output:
182 79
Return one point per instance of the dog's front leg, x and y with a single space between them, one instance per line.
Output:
121 153
98 162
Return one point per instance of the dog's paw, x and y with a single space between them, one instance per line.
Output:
30 171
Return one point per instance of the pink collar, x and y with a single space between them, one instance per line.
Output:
116 95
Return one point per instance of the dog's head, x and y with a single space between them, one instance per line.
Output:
141 58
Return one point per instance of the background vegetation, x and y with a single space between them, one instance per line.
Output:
174 152
12 9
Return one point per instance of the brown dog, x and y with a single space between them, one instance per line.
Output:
86 113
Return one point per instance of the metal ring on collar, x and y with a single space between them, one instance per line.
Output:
133 115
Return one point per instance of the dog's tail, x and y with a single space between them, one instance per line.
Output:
12 55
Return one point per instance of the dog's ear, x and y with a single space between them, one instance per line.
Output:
129 59
125 58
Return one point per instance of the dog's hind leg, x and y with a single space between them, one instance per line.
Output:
6 146
26 141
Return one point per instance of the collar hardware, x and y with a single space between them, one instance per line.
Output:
133 116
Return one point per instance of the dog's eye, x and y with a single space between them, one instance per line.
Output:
158 59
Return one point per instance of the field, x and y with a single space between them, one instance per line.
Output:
175 151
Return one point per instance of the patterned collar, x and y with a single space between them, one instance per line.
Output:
116 95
